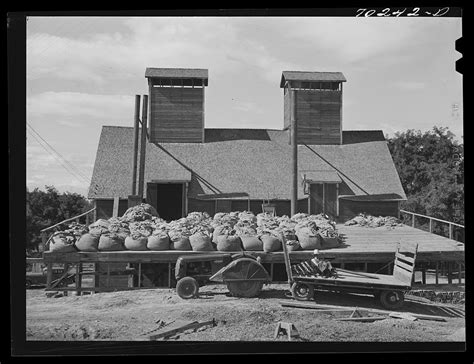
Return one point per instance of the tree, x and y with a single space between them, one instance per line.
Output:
431 170
46 208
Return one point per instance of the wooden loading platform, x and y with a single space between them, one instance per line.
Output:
364 249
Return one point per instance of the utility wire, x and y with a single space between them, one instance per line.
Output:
71 165
65 162
60 162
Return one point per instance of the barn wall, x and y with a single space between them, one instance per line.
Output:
348 209
319 116
176 115
286 109
104 208
283 207
201 206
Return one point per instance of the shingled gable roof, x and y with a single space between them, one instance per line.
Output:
180 73
257 165
311 76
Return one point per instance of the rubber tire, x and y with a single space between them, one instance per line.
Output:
302 292
187 288
391 300
28 284
245 288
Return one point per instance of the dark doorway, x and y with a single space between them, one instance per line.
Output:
167 199
323 199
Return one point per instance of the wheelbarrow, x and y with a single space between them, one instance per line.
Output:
387 289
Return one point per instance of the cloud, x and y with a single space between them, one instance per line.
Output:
213 43
80 106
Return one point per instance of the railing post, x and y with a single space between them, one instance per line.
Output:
413 220
450 231
431 225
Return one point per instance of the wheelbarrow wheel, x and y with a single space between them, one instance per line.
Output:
187 287
28 284
244 288
391 299
302 291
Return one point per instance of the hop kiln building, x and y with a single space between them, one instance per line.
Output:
188 167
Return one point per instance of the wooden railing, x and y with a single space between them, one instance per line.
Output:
44 234
431 219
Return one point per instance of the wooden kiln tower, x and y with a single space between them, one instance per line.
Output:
176 104
314 99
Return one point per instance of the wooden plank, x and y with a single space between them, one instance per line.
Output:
459 272
449 274
403 315
286 259
363 319
404 257
405 266
115 206
186 325
402 275
320 306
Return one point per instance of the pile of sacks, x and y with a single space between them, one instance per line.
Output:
263 232
366 220
140 229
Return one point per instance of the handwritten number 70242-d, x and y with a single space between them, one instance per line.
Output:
401 12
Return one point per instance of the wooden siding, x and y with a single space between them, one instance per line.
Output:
282 206
201 206
286 109
319 116
176 115
105 208
348 209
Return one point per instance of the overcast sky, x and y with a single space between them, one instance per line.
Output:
83 73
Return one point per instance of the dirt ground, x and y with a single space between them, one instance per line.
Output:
130 315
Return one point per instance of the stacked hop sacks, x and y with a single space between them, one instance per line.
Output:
139 233
327 231
307 233
200 226
223 224
159 239
114 239
246 229
287 229
201 241
140 212
179 235
89 242
229 243
63 241
267 229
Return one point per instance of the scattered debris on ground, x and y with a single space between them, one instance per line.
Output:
136 315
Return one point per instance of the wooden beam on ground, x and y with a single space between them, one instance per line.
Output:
402 315
318 307
190 325
363 319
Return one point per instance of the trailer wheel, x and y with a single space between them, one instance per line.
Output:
302 291
244 288
187 287
391 299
